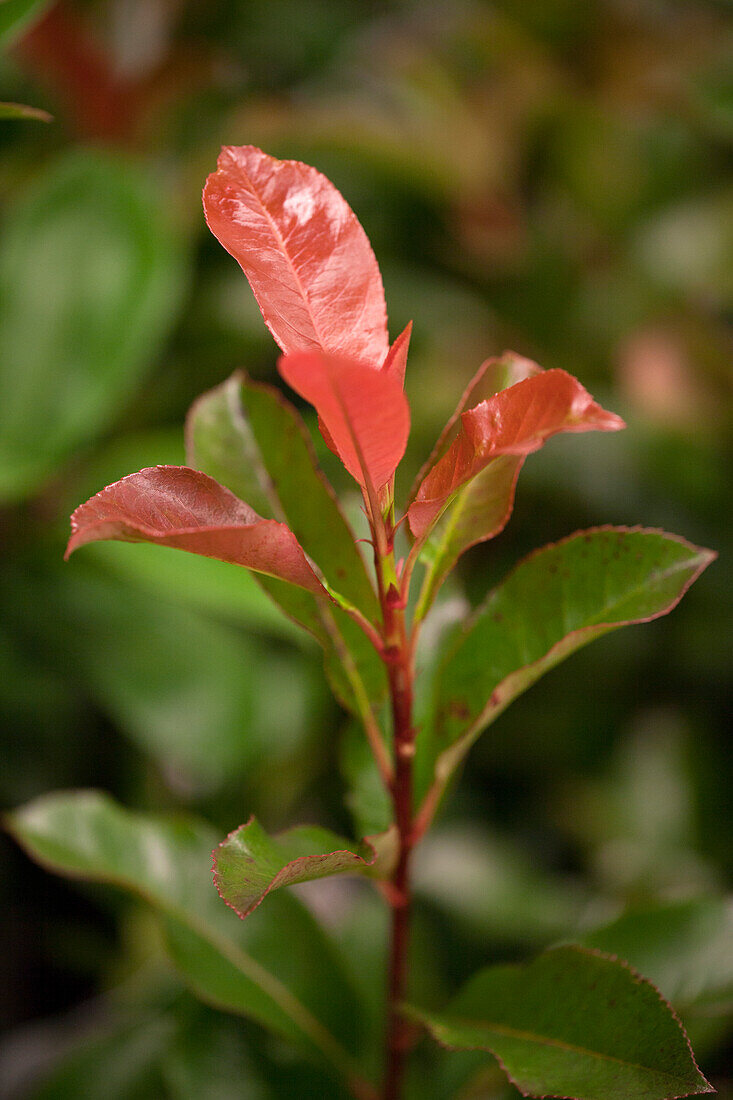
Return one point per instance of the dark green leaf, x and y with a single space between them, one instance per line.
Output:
684 947
251 439
555 601
367 798
249 863
238 966
246 435
90 279
492 888
573 1023
479 511
185 688
16 15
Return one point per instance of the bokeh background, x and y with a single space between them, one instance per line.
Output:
551 176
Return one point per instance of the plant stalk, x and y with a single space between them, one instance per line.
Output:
398 657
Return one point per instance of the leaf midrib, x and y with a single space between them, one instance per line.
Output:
559 1044
288 1003
281 240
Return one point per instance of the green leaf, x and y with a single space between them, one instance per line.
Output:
684 947
572 1023
90 281
481 508
16 15
555 601
249 864
479 511
21 111
491 888
186 689
366 798
246 435
252 440
237 966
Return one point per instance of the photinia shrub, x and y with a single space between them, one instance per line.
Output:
573 1022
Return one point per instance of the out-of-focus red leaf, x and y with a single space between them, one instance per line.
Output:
364 411
396 360
516 421
62 52
185 509
307 258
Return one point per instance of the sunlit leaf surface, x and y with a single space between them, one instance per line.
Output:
307 259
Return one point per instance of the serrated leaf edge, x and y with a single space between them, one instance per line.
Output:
705 558
639 979
390 837
500 698
246 964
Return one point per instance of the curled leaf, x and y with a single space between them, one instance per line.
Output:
307 258
240 968
185 509
515 421
249 864
364 411
481 508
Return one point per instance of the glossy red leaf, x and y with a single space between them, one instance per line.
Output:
364 411
515 421
307 258
185 509
396 359
493 375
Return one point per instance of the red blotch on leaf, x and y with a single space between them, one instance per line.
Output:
185 509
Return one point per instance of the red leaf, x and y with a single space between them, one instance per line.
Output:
364 411
516 421
396 359
307 258
178 507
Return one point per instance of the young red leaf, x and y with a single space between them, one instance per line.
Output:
364 411
307 258
182 508
396 359
493 375
515 421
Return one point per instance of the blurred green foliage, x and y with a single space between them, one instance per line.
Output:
551 176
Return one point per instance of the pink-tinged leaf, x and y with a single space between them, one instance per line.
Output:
515 421
497 373
249 864
307 258
185 509
364 411
395 362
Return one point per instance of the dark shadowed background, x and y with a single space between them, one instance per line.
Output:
551 176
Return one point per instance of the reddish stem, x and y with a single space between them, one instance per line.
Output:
398 656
